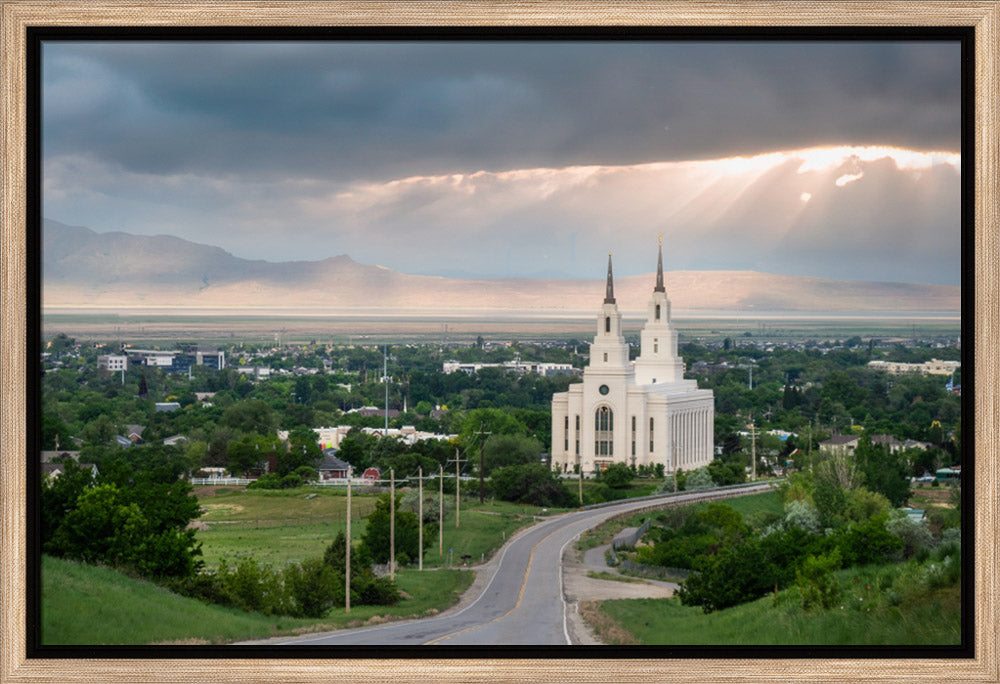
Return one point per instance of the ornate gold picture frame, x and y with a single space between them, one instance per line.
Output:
18 15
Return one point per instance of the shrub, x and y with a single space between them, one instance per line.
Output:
290 481
867 543
530 484
268 481
617 475
699 479
803 515
914 534
738 573
313 587
375 539
250 586
817 581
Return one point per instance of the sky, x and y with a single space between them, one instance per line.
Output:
518 159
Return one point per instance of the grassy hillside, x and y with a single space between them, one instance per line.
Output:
84 604
875 607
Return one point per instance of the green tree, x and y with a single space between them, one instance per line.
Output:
506 450
490 420
251 416
738 573
59 496
884 472
375 539
617 475
699 479
303 450
530 484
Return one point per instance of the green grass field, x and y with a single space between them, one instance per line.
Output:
282 526
752 503
276 527
84 605
931 617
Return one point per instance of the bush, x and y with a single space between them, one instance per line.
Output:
867 543
915 535
268 481
802 515
375 539
738 573
530 484
617 475
698 479
313 587
817 580
250 586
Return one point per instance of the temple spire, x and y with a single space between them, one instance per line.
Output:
659 268
609 296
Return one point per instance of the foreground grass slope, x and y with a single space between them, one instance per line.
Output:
867 613
85 605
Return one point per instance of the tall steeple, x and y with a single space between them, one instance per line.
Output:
658 361
609 296
659 268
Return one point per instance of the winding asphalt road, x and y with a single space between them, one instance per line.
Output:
523 602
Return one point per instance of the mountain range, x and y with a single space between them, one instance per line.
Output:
86 269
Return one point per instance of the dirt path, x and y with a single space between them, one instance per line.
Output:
580 588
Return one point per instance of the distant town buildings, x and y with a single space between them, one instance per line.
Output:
932 367
112 362
846 444
517 366
175 361
331 437
642 412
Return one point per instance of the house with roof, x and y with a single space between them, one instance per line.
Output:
840 444
60 455
331 467
54 470
134 433
888 441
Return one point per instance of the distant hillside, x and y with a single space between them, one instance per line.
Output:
82 268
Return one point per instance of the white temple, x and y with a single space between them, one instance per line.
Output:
640 412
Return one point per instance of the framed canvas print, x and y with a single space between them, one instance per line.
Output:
503 341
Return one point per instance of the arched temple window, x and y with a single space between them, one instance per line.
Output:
604 432
607 324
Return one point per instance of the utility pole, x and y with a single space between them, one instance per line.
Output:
392 524
420 517
810 442
347 564
482 445
673 461
458 486
440 510
753 450
579 478
385 379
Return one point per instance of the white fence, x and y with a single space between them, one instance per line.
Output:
220 481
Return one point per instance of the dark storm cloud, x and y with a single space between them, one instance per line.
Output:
383 110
